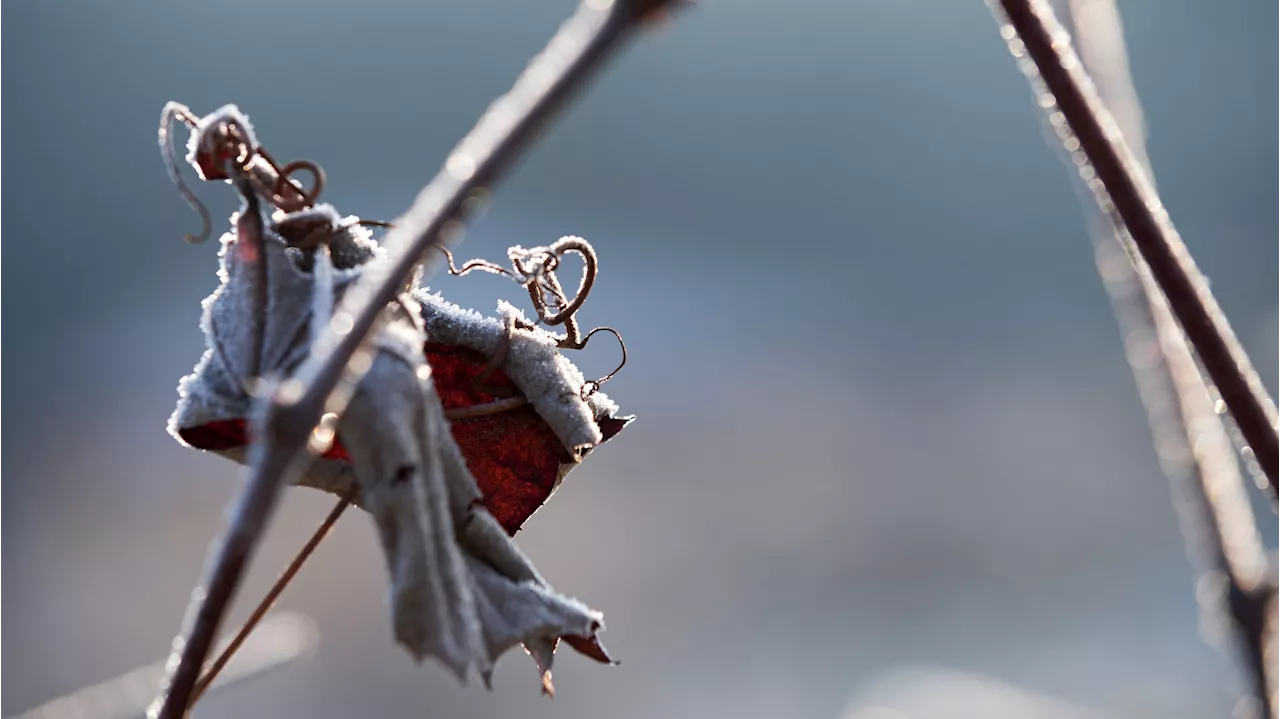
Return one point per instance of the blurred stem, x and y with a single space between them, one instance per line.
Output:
1191 438
1120 187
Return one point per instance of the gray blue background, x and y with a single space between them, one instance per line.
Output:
885 417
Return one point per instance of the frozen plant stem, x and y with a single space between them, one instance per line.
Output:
294 407
1195 449
1033 31
269 600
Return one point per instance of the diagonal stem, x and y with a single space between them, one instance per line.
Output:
1033 31
1194 446
1214 512
324 382
269 600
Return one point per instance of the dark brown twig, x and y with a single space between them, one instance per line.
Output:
1033 31
295 406
1194 446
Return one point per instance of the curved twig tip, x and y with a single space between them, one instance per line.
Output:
177 111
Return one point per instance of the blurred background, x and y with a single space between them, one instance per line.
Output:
888 445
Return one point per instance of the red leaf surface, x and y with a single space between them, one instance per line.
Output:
514 455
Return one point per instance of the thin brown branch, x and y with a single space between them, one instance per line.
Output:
269 600
294 407
1192 437
1046 55
1210 491
1193 443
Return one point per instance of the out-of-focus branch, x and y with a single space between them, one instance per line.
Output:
1108 167
325 381
1191 439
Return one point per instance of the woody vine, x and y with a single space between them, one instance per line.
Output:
369 363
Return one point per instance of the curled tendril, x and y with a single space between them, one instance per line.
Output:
297 197
535 270
469 265
175 111
231 143
592 386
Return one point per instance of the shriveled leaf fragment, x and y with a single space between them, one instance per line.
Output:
461 591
